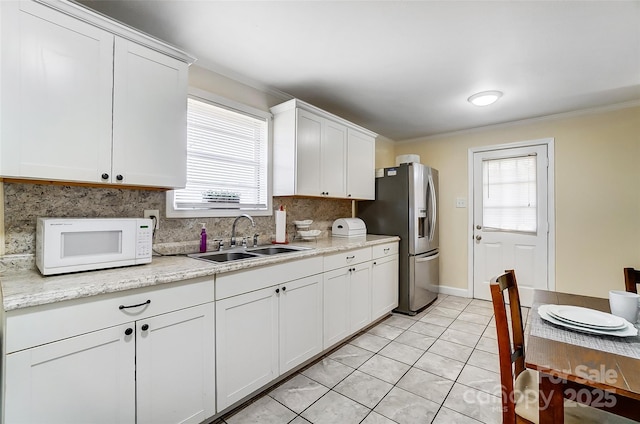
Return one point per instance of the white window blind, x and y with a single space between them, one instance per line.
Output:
510 194
227 154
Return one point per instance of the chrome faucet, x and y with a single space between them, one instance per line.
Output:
233 228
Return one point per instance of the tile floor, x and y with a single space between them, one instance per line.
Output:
440 366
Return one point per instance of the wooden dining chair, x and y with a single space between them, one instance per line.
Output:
631 279
519 384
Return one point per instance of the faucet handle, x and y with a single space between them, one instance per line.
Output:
244 242
220 243
255 240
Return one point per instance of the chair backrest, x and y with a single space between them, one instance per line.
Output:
510 347
631 279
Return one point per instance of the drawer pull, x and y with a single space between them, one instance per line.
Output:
144 327
387 249
135 306
351 257
128 331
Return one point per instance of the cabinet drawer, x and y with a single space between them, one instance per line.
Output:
44 324
245 281
346 258
383 250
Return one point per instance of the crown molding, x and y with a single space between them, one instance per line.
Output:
528 121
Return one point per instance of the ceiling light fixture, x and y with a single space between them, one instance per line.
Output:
485 98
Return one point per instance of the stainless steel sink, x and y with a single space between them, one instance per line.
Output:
241 253
224 256
274 250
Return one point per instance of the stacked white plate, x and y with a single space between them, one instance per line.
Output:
587 320
303 230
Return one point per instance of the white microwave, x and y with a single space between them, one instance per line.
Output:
82 244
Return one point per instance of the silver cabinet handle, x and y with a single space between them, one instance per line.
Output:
350 257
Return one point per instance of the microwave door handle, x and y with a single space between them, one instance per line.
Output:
432 221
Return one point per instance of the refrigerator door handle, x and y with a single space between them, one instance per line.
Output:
428 258
432 190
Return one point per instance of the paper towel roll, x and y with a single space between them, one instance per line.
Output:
281 226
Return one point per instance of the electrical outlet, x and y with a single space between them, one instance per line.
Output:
148 213
461 202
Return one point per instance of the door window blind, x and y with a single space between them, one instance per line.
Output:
510 194
227 153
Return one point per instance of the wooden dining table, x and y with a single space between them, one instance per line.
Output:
610 381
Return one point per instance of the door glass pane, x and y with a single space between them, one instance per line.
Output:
509 194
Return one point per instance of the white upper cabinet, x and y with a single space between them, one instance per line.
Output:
149 117
316 153
80 102
361 152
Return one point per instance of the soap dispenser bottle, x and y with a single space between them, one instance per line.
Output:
203 238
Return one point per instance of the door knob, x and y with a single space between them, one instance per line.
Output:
478 238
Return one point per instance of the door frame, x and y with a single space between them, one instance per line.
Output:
551 217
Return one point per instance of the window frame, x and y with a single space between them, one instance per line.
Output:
220 101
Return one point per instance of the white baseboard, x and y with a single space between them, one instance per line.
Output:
454 291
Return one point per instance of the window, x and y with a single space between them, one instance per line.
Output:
509 194
227 160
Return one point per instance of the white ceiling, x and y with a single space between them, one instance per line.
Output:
405 69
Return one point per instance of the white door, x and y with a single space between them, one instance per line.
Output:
334 159
384 286
360 296
510 218
84 379
335 306
361 151
175 366
300 321
246 344
57 80
149 117
308 142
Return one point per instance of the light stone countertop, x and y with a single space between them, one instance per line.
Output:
29 288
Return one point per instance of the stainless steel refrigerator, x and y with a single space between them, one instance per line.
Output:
406 205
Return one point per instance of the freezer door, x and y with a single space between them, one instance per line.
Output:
424 279
423 218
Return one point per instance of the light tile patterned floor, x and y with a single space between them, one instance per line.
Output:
440 366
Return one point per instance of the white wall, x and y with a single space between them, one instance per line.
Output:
597 195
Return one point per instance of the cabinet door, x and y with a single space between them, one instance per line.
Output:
300 321
308 159
246 344
384 286
361 150
175 366
334 159
360 296
56 95
84 379
149 117
335 306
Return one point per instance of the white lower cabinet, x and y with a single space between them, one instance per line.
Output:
82 379
347 302
175 366
384 285
262 334
155 365
300 321
246 344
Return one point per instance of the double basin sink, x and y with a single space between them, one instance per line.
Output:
243 253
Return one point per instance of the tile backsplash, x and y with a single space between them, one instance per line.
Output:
25 202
